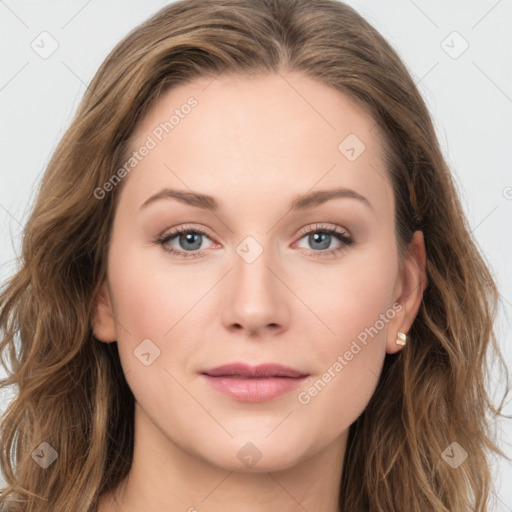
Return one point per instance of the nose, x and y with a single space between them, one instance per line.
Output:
257 301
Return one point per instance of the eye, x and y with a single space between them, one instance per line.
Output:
320 238
188 239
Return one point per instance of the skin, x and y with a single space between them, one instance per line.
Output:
255 144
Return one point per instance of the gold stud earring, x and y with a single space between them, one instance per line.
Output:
401 338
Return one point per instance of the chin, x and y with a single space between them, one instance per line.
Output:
257 456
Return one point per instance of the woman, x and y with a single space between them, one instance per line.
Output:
255 369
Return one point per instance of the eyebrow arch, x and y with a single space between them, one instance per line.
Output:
302 202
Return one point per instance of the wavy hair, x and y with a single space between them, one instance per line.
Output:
70 389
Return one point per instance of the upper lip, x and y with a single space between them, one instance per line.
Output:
248 371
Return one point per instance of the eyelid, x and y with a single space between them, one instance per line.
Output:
323 227
184 228
311 228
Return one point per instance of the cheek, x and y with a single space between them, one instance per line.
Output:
143 294
357 309
351 298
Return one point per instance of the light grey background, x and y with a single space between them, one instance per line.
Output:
468 93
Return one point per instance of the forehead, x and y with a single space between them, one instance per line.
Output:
234 135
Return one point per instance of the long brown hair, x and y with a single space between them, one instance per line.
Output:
71 390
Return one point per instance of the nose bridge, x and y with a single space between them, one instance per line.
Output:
255 299
252 276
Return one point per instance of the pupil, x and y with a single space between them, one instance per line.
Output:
317 237
189 237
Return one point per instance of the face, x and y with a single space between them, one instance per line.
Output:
291 259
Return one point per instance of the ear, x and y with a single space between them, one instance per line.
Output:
103 323
413 282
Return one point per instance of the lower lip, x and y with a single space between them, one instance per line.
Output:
254 390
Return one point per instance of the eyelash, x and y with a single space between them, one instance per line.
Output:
346 240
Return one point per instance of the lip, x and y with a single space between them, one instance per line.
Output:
253 383
247 371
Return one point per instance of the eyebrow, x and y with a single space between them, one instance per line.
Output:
302 202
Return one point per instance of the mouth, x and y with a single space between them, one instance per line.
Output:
245 371
253 383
